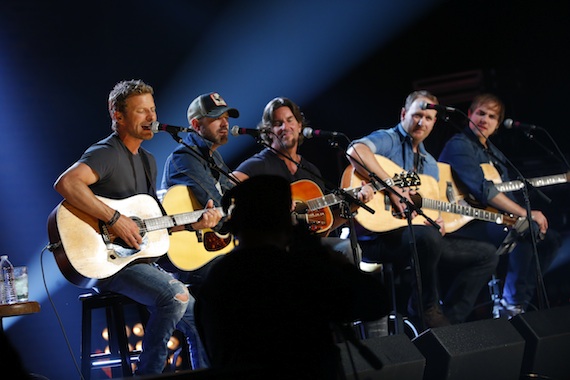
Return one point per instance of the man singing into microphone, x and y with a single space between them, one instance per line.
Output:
465 152
284 123
119 167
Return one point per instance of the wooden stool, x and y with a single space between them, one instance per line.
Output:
120 355
18 308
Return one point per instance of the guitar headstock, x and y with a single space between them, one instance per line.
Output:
407 179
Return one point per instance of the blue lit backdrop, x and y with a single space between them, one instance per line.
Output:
349 64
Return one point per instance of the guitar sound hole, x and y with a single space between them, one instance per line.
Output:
122 249
301 208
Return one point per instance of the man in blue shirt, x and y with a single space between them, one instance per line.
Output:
474 261
193 162
465 152
197 164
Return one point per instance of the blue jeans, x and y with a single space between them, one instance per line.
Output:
521 279
149 285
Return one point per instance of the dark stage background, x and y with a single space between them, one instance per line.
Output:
349 64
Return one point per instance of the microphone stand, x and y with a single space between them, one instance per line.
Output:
345 211
410 208
561 157
211 164
347 214
542 296
328 184
346 332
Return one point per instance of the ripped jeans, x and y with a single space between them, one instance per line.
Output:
169 303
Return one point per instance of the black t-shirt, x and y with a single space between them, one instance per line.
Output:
121 173
267 162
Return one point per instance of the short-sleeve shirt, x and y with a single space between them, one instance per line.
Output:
396 145
121 173
267 162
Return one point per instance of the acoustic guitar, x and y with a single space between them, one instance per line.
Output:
312 207
190 250
427 198
451 192
87 252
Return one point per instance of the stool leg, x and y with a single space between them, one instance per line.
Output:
123 343
86 341
398 326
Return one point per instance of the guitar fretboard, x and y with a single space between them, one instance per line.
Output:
456 208
153 224
536 182
329 200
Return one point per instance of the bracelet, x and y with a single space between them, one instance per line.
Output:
114 219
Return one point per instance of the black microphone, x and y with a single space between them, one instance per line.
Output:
309 133
237 130
510 123
155 126
437 107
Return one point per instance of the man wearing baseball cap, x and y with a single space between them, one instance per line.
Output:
197 164
209 105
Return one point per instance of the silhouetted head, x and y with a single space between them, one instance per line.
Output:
260 204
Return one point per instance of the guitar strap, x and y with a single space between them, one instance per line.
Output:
150 181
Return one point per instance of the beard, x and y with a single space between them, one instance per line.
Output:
286 141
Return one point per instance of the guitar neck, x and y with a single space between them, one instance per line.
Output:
456 208
329 199
536 182
167 221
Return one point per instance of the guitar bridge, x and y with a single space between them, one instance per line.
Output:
199 236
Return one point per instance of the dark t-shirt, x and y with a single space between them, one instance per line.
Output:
121 173
267 162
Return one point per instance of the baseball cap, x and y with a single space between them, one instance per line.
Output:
209 105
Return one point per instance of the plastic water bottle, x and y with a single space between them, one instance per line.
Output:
8 287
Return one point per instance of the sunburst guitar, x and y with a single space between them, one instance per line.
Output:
190 250
313 208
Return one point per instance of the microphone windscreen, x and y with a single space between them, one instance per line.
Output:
235 130
508 123
308 132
